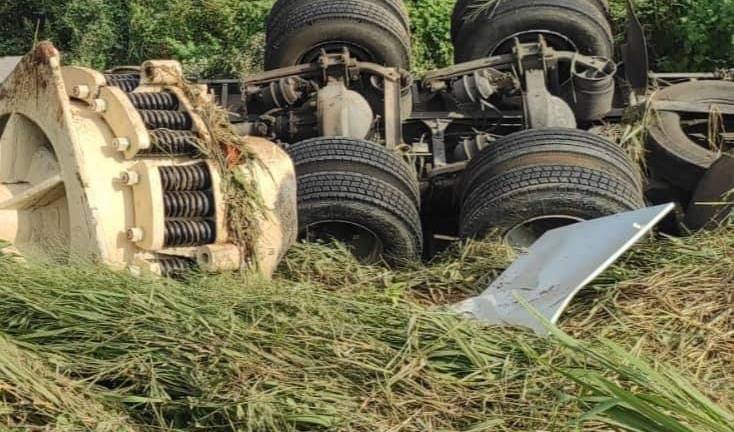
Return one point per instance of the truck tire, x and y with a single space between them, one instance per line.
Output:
463 10
358 156
571 25
370 31
675 155
536 146
712 202
522 204
535 180
282 7
372 217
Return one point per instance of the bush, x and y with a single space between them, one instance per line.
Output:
431 27
224 37
690 34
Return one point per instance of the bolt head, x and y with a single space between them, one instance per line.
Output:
80 91
121 144
135 234
98 105
129 178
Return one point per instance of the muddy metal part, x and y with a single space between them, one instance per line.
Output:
109 166
468 93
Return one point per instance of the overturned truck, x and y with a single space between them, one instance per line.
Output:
507 141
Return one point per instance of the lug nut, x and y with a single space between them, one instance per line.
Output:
135 234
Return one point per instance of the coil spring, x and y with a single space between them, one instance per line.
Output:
189 233
176 266
165 141
126 82
161 119
188 204
185 178
154 101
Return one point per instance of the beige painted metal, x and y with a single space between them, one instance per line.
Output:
276 182
65 186
83 83
219 257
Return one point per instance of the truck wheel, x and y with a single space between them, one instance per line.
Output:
465 9
679 149
370 31
359 156
373 218
527 183
568 25
524 203
282 7
535 146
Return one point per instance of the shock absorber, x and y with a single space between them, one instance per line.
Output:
184 211
191 204
185 178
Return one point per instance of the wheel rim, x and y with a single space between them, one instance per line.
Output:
362 242
34 210
708 130
357 51
524 234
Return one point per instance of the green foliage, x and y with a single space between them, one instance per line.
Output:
431 33
224 37
210 36
91 30
686 35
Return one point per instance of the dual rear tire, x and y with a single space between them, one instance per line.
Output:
298 31
360 194
536 180
480 29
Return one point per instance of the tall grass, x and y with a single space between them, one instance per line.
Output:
333 345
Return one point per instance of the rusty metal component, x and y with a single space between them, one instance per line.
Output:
475 88
85 169
342 112
392 81
590 91
634 52
542 109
